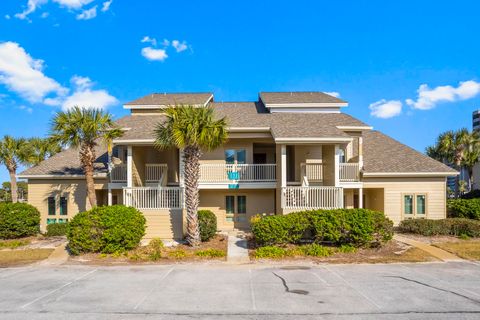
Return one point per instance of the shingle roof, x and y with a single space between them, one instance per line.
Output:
298 97
384 154
167 99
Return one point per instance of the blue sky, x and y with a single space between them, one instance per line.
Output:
376 54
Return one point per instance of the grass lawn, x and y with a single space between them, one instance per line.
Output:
466 249
10 258
14 243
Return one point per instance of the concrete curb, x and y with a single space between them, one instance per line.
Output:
434 251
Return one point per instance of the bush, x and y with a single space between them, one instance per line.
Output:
210 253
451 226
356 227
56 229
106 230
315 250
471 195
18 220
207 222
464 208
270 252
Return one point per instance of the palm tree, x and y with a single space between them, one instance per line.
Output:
471 155
12 153
195 130
39 149
83 129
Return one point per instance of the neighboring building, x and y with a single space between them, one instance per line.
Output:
286 152
476 120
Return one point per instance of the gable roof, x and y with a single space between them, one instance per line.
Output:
314 97
168 99
382 154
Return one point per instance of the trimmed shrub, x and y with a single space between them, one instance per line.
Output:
106 230
358 227
207 222
315 250
452 226
271 252
210 253
464 208
18 220
56 229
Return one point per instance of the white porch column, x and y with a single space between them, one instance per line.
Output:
360 198
109 159
110 195
181 168
360 152
129 167
337 165
283 165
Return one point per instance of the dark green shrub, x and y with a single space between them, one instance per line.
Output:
315 250
271 252
450 226
464 208
106 229
207 222
18 220
56 229
357 227
281 229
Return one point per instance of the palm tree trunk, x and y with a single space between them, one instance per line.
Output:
87 158
13 184
192 172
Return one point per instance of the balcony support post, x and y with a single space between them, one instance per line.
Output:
360 153
360 198
129 167
338 153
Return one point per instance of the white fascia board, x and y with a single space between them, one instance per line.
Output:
160 106
248 129
306 105
354 128
58 176
311 140
133 141
208 100
409 174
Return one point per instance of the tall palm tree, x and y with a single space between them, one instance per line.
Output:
471 155
83 129
195 130
12 153
39 149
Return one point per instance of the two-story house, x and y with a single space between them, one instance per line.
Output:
286 152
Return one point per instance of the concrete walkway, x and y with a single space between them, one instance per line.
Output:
434 251
237 248
58 257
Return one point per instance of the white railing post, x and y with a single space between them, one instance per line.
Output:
152 198
312 198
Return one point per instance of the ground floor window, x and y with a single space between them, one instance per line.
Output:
51 220
51 206
62 220
63 206
414 205
236 208
230 207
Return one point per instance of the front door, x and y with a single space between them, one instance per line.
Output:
236 211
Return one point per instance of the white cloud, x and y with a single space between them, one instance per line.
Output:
27 109
165 42
106 5
87 14
44 15
81 83
154 54
179 46
333 94
386 109
429 98
73 4
24 75
32 5
147 39
89 99
7 16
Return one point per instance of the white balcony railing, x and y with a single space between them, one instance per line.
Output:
312 171
119 173
312 197
155 172
153 198
219 172
349 172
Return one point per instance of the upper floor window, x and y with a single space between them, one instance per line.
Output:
235 156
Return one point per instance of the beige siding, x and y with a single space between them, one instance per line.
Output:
164 224
75 190
258 201
394 188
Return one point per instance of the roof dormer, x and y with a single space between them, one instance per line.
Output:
301 102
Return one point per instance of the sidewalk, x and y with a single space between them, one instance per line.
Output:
237 248
434 251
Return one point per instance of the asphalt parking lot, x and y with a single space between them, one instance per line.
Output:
396 291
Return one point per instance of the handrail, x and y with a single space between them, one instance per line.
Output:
225 173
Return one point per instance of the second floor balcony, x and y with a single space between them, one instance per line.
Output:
235 173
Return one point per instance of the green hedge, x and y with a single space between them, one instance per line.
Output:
451 226
18 220
357 227
464 208
207 222
106 229
56 229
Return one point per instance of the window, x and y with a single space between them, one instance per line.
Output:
235 156
51 220
62 220
342 157
63 206
230 207
414 205
242 204
51 206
